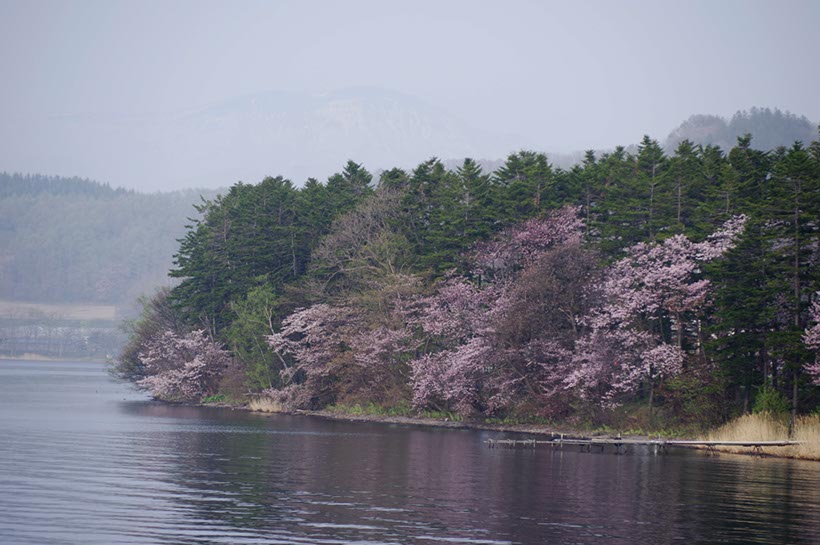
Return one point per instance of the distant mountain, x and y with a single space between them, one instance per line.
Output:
300 136
769 129
303 135
247 138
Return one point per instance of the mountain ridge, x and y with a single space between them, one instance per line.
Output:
301 135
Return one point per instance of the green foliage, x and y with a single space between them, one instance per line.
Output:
402 408
523 420
33 185
250 232
770 400
254 232
448 416
523 187
216 398
698 397
255 318
372 409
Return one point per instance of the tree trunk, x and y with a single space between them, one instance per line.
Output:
679 321
794 404
651 202
680 204
293 252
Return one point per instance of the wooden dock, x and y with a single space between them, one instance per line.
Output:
658 446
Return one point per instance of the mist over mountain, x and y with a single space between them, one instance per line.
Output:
299 135
276 133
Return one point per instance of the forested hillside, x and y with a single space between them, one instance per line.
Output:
769 129
686 284
67 240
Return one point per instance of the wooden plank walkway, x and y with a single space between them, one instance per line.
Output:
657 445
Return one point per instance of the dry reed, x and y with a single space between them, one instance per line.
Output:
766 427
265 405
807 429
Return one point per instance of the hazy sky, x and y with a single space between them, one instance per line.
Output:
563 75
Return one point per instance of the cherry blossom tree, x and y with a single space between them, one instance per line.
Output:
811 338
653 291
381 357
345 353
313 348
452 378
522 244
456 311
182 367
506 339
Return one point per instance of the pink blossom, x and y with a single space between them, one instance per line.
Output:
655 287
722 240
480 356
522 244
331 351
313 338
811 338
453 377
184 367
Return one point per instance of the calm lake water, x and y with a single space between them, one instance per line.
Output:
85 460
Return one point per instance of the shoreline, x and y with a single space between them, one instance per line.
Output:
28 356
538 430
529 429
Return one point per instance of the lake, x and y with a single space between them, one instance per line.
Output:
87 460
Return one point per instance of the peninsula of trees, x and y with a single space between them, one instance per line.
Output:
684 284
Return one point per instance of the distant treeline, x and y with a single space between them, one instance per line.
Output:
66 240
15 185
684 282
769 128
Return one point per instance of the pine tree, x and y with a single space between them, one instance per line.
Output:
525 186
618 223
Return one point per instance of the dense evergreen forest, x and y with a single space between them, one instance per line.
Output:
68 240
683 286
